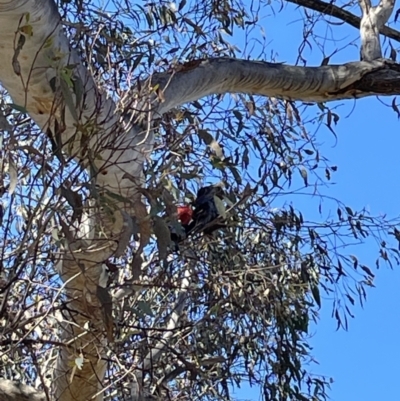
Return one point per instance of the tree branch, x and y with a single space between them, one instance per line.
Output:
155 353
31 75
343 15
373 19
226 75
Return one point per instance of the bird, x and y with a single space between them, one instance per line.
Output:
203 215
208 208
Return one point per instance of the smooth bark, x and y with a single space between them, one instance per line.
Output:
309 84
372 21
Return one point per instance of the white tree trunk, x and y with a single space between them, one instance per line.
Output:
28 71
372 21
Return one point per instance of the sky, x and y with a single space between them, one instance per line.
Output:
362 361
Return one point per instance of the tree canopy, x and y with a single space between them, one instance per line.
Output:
111 116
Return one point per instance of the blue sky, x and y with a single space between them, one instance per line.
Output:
362 361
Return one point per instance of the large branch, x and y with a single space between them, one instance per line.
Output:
311 84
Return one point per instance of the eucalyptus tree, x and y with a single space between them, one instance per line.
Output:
110 117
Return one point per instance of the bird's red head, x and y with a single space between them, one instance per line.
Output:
185 214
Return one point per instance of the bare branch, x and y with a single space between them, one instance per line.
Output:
343 15
225 75
153 356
